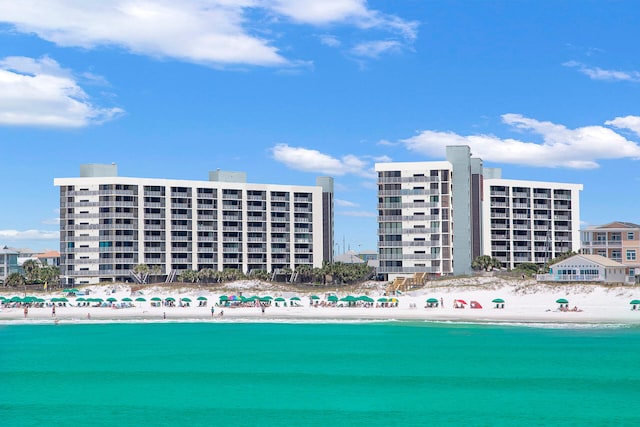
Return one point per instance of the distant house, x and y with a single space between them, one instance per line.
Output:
586 268
350 257
8 263
368 255
618 241
49 258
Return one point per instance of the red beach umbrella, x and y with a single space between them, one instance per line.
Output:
461 301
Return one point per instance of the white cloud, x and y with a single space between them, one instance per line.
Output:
329 40
345 203
629 122
597 73
578 148
213 32
320 12
382 159
361 214
347 11
14 235
373 49
38 92
308 160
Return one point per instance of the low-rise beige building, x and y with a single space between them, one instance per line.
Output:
586 268
618 241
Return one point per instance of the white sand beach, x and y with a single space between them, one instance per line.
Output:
525 301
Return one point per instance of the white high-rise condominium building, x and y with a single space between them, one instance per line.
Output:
109 224
437 217
528 221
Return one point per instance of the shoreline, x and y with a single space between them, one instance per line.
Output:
525 302
79 315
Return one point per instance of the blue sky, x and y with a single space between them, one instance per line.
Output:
288 90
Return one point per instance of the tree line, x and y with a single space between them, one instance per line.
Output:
330 273
35 273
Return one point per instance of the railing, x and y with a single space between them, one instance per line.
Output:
569 277
383 269
407 179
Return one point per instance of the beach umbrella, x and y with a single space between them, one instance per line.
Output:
365 298
295 298
169 299
140 299
562 301
224 298
432 300
498 300
348 298
185 299
332 298
279 299
461 301
314 297
201 298
393 299
266 297
382 300
80 299
127 299
635 301
112 299
156 299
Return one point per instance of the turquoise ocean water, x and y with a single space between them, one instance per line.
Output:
317 374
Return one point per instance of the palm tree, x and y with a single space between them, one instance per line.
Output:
262 275
156 270
142 270
317 275
231 274
188 276
304 272
49 273
206 275
486 263
16 280
31 269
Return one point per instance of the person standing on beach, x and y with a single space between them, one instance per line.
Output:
212 311
164 314
53 311
26 311
441 302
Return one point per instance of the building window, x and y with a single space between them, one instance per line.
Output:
630 235
616 254
631 255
